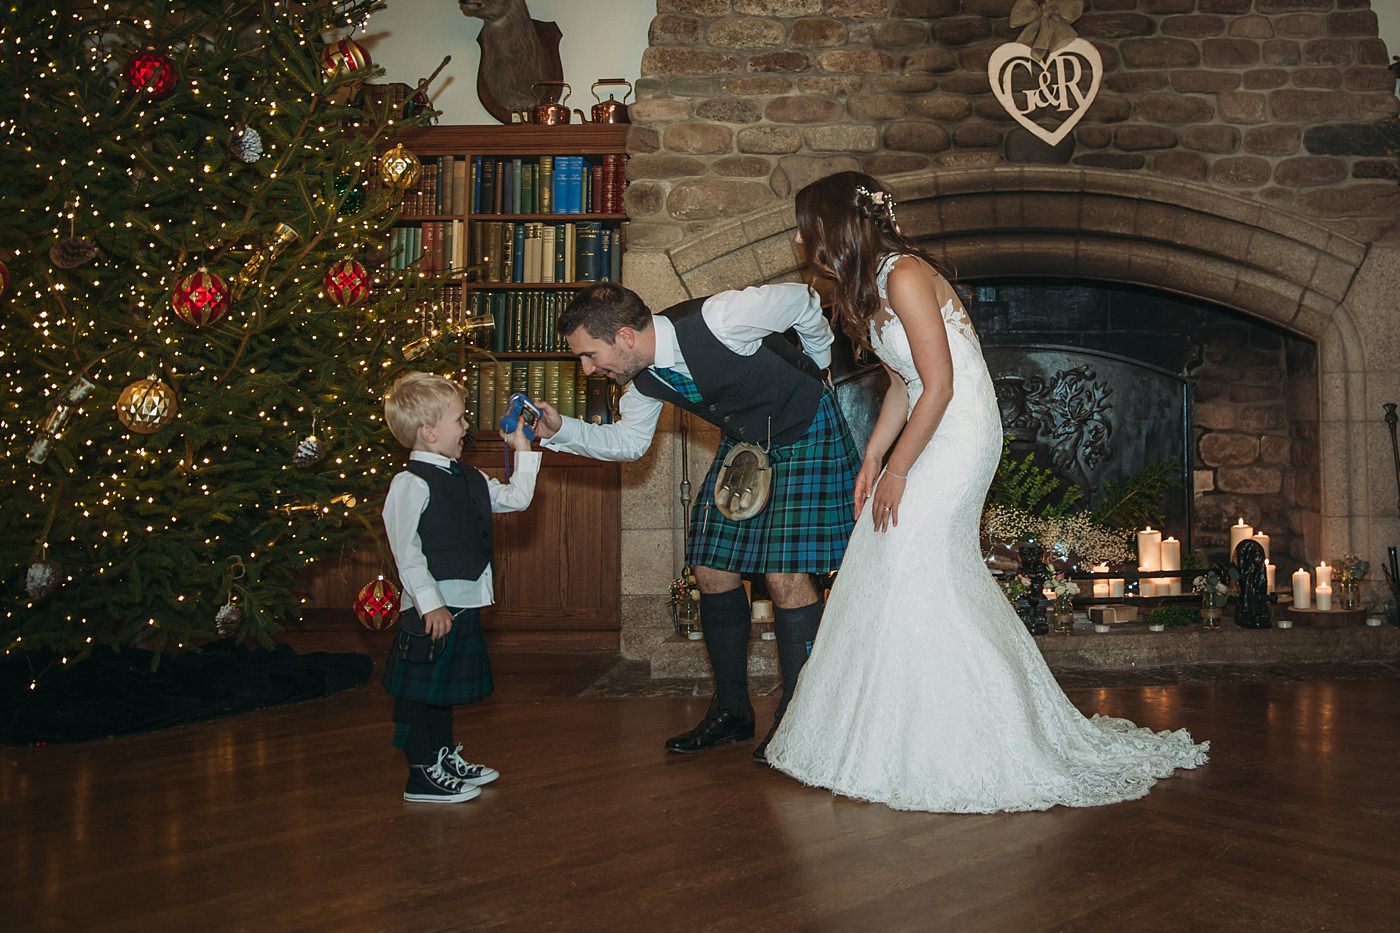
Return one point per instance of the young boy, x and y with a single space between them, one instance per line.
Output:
438 520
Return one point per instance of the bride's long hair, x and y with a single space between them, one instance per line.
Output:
847 223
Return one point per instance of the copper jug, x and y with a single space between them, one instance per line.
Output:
548 112
611 110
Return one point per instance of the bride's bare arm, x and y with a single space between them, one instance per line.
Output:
917 294
890 421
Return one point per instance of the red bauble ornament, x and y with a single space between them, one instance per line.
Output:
347 283
200 298
377 606
347 55
4 277
153 73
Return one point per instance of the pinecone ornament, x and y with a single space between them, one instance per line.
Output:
227 620
42 578
73 252
309 450
246 145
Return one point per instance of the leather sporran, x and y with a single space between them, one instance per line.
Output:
744 482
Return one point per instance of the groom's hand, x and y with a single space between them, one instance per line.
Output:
550 420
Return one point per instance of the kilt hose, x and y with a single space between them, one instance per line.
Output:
808 519
461 674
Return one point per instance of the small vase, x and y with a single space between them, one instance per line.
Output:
1156 628
687 618
1349 595
1212 608
1062 616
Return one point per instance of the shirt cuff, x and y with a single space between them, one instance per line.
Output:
528 460
563 437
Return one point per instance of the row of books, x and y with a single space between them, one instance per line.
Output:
583 251
566 184
435 245
525 320
441 187
561 383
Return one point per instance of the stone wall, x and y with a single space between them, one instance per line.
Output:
743 101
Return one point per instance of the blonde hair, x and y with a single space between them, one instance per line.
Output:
418 400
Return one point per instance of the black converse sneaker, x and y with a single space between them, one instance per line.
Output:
478 775
434 783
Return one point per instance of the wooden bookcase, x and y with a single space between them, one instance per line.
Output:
558 564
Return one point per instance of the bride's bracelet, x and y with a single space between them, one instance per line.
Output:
899 475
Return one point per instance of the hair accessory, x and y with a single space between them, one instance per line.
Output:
879 204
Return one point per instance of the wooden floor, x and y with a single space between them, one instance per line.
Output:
291 819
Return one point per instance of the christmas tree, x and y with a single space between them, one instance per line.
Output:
196 324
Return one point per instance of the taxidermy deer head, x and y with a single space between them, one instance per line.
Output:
516 52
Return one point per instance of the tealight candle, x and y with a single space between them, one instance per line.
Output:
1324 573
1262 540
1238 532
1149 548
1324 597
1302 589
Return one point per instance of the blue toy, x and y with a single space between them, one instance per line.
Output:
519 409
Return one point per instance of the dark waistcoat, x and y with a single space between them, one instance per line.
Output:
455 529
740 393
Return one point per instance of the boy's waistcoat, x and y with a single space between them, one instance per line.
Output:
454 530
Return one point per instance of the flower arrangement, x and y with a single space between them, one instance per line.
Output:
683 588
1062 586
1351 568
1016 587
1215 582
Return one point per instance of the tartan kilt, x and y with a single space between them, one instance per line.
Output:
808 519
461 674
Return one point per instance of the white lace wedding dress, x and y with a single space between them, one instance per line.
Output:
924 691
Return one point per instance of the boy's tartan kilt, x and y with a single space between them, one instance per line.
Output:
461 674
808 519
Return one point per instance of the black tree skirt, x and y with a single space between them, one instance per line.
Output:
115 693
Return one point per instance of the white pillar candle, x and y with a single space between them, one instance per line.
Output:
1324 574
1262 540
1269 570
1149 548
762 610
1100 586
1171 554
1115 587
1147 587
1324 597
1173 585
1238 532
1302 589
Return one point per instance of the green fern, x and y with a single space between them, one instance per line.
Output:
1020 484
1136 501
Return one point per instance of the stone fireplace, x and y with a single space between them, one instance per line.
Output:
1235 178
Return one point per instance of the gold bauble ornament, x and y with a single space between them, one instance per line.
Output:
146 405
399 168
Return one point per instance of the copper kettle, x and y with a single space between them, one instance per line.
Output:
611 110
549 111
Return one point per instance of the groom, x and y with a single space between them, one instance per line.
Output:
725 359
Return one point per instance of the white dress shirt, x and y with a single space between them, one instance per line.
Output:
739 320
408 497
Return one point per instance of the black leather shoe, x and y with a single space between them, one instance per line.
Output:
718 727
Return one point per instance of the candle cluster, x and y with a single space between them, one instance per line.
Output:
1155 554
1305 594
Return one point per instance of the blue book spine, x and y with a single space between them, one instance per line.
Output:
517 271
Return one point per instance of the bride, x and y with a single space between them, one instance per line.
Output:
924 690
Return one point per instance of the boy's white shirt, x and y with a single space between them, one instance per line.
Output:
408 497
